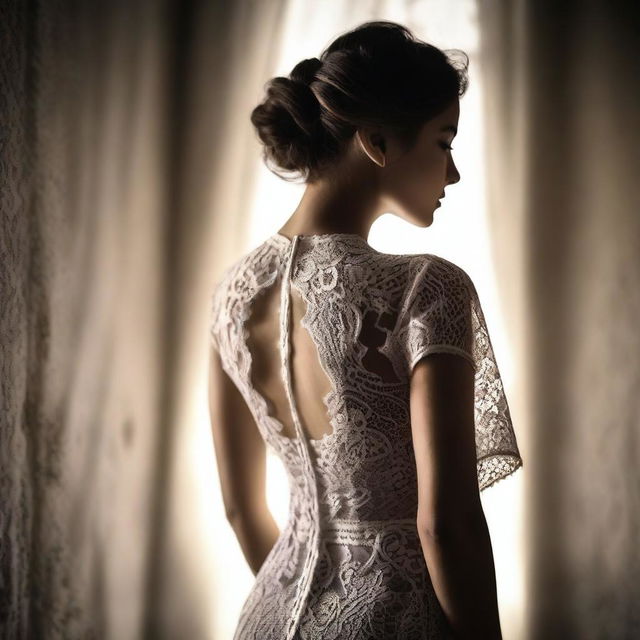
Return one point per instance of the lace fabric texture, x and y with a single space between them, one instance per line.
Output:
349 563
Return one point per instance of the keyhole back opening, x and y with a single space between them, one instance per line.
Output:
310 384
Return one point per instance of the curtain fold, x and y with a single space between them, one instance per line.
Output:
82 322
224 50
562 101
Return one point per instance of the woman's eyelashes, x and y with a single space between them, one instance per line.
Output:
444 145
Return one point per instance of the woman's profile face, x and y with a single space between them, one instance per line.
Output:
413 181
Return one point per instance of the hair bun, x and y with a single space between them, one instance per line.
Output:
305 71
288 120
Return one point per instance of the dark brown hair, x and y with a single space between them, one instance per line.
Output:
378 74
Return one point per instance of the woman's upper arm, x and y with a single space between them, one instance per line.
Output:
239 448
443 432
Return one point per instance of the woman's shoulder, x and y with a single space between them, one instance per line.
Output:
246 263
433 268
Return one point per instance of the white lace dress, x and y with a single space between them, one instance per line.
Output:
348 564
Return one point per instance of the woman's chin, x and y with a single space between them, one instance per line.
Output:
425 219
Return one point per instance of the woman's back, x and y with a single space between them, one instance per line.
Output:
320 334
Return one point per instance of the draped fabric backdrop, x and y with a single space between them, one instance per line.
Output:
127 165
86 259
563 129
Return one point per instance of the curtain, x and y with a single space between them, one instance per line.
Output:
561 104
83 321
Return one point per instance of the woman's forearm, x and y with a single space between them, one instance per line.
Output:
462 572
257 532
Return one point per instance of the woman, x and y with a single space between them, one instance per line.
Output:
353 365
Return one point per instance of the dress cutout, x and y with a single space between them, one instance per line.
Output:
348 564
311 386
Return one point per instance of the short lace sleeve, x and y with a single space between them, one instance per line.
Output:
443 314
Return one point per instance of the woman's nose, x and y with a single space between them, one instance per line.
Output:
453 175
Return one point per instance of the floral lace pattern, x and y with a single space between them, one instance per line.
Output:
349 563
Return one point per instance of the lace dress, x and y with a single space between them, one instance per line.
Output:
348 564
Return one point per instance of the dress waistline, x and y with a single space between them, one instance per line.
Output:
345 531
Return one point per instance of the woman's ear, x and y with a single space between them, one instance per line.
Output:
373 144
